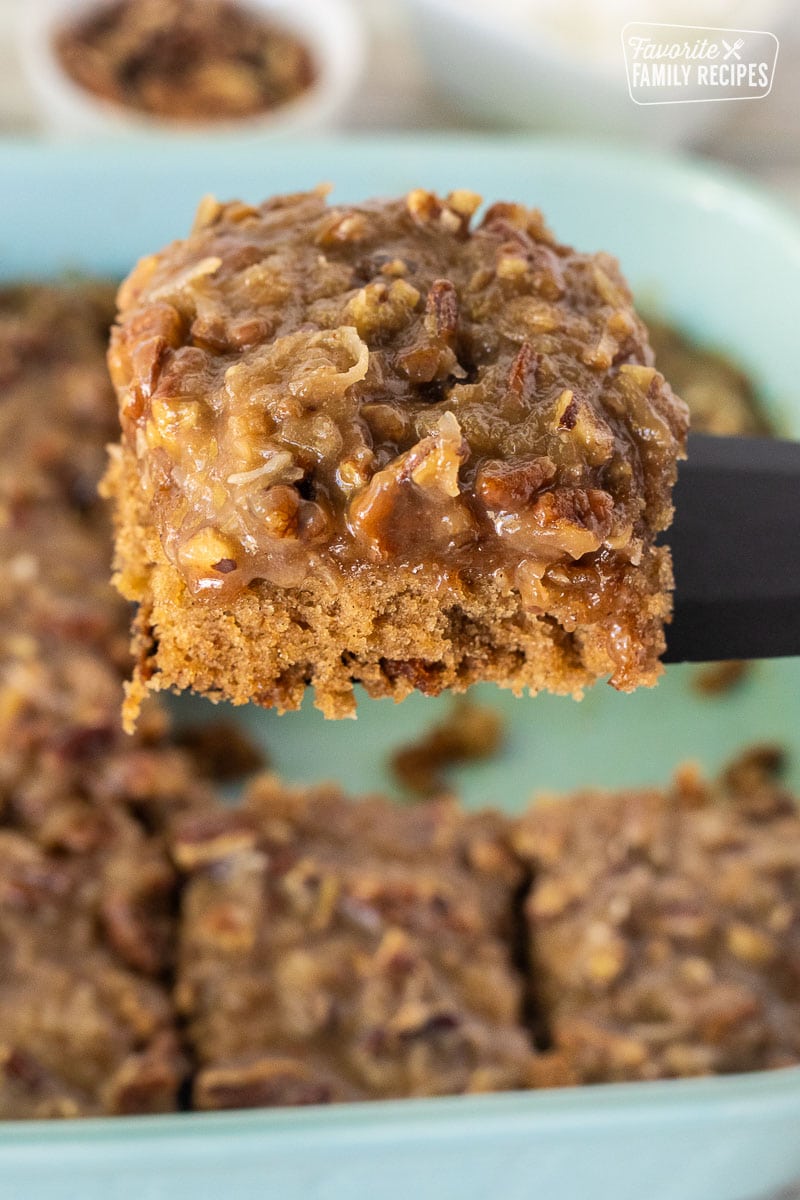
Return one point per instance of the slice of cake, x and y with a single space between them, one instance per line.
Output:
87 891
386 444
86 932
333 951
665 927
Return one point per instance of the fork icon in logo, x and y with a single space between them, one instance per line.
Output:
733 50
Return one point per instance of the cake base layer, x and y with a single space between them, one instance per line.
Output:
390 629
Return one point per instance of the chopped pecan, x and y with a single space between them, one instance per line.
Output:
29 878
380 308
762 763
580 423
23 1068
135 908
503 216
464 202
718 678
265 1083
427 362
147 1082
417 1021
84 742
522 376
441 311
76 827
420 486
562 522
200 553
470 731
206 837
425 208
512 485
148 358
341 227
435 461
279 508
221 750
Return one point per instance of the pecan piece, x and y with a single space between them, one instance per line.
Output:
452 215
266 1083
505 486
135 910
427 363
441 311
418 490
565 521
279 509
21 1067
470 731
84 742
28 877
417 1021
504 216
757 764
74 826
202 838
579 423
340 228
432 357
221 751
522 375
147 1082
147 360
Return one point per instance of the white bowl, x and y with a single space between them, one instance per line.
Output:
330 28
507 64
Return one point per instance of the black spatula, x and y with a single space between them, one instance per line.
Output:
736 551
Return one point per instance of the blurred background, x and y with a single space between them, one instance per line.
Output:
464 65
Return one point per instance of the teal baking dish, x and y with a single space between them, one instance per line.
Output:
705 250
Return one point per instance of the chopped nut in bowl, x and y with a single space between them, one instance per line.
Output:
142 66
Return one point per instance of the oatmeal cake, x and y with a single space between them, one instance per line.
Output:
86 932
58 408
385 444
334 950
62 644
665 926
63 629
87 891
